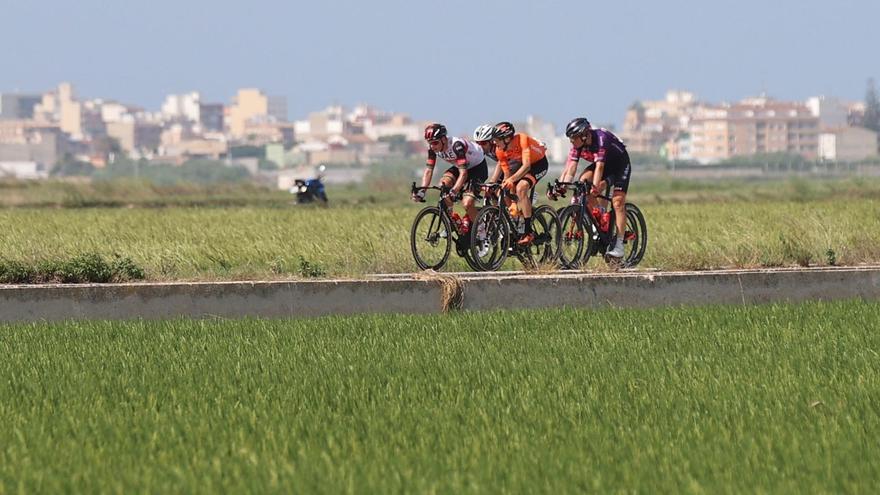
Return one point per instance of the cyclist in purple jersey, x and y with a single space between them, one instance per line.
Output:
609 164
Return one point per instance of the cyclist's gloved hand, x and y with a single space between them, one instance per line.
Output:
551 194
560 190
419 196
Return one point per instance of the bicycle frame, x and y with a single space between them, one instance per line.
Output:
600 240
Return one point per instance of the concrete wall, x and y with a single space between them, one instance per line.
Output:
424 294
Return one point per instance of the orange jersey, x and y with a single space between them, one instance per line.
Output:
522 150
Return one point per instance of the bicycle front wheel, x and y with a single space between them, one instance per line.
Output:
572 234
430 239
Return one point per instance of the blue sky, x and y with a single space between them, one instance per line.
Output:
453 61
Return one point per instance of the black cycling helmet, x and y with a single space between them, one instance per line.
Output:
503 130
577 127
434 132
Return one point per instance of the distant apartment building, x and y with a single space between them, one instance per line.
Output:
135 137
182 107
190 108
262 133
114 112
69 111
364 135
277 108
395 125
322 125
32 141
213 149
252 106
80 120
831 112
848 144
211 116
755 125
16 106
650 125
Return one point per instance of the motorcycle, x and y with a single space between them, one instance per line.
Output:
310 190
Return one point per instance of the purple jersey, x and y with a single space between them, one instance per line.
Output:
605 147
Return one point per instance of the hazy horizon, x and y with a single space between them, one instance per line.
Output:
445 61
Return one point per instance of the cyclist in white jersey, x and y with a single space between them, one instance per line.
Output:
467 172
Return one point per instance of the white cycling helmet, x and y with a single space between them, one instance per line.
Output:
484 132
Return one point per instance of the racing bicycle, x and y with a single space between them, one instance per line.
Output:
497 228
433 234
586 232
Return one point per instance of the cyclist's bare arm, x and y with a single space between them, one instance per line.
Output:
497 173
461 163
462 178
568 171
426 177
598 175
520 173
429 168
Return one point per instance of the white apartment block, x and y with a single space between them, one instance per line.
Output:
185 106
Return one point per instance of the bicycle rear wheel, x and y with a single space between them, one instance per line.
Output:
635 237
490 238
430 239
572 235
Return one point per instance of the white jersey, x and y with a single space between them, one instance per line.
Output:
459 152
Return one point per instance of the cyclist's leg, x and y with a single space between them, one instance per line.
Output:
587 177
523 193
620 186
448 180
539 170
476 176
525 188
619 183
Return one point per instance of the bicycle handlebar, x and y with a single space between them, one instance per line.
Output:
442 189
580 185
491 186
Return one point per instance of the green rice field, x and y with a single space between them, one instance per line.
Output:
253 242
767 399
241 232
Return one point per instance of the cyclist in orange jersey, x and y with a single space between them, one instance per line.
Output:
523 161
